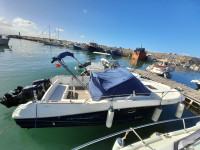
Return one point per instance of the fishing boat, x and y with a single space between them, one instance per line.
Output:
150 57
139 54
94 47
71 46
188 138
111 96
161 67
197 83
77 47
4 40
53 43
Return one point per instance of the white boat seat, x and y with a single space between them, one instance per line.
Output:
59 92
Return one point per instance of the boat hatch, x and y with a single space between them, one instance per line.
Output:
151 87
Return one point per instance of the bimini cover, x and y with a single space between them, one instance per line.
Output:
113 82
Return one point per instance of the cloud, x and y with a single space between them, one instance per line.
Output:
25 27
58 29
6 27
4 22
17 25
82 36
85 11
24 23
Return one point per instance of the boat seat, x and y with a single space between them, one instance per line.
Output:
59 92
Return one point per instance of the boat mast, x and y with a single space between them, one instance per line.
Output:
49 33
58 33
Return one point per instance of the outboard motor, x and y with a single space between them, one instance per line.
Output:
85 72
32 92
17 90
11 100
84 65
45 83
22 95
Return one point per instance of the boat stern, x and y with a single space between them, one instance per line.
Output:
25 111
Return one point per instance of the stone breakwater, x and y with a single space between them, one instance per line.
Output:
179 60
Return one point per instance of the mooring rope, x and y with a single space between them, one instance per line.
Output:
6 128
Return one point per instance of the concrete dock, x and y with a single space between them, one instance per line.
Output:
192 96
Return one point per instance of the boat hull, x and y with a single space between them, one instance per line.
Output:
4 41
77 48
94 49
87 119
198 85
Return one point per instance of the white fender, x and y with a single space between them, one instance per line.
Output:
110 117
180 110
156 114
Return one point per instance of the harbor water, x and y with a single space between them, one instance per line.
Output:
25 61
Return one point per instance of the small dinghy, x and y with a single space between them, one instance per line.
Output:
111 96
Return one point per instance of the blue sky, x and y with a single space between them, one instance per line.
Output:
159 25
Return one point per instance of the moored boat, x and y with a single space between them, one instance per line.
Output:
83 100
4 40
94 47
71 46
188 138
77 47
197 83
103 65
139 54
161 67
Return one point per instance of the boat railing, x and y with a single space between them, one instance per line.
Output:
133 129
163 94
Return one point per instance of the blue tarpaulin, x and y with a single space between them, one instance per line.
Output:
113 82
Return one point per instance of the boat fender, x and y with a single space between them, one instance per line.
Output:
110 116
119 143
156 114
180 110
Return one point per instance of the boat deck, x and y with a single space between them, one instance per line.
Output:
192 95
80 93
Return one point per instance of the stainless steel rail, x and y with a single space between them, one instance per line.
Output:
127 130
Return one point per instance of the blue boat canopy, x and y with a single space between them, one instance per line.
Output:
113 82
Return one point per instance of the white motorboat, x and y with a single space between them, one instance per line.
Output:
197 83
71 46
184 139
161 67
4 40
102 65
150 57
112 96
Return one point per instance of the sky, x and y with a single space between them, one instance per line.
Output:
158 25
